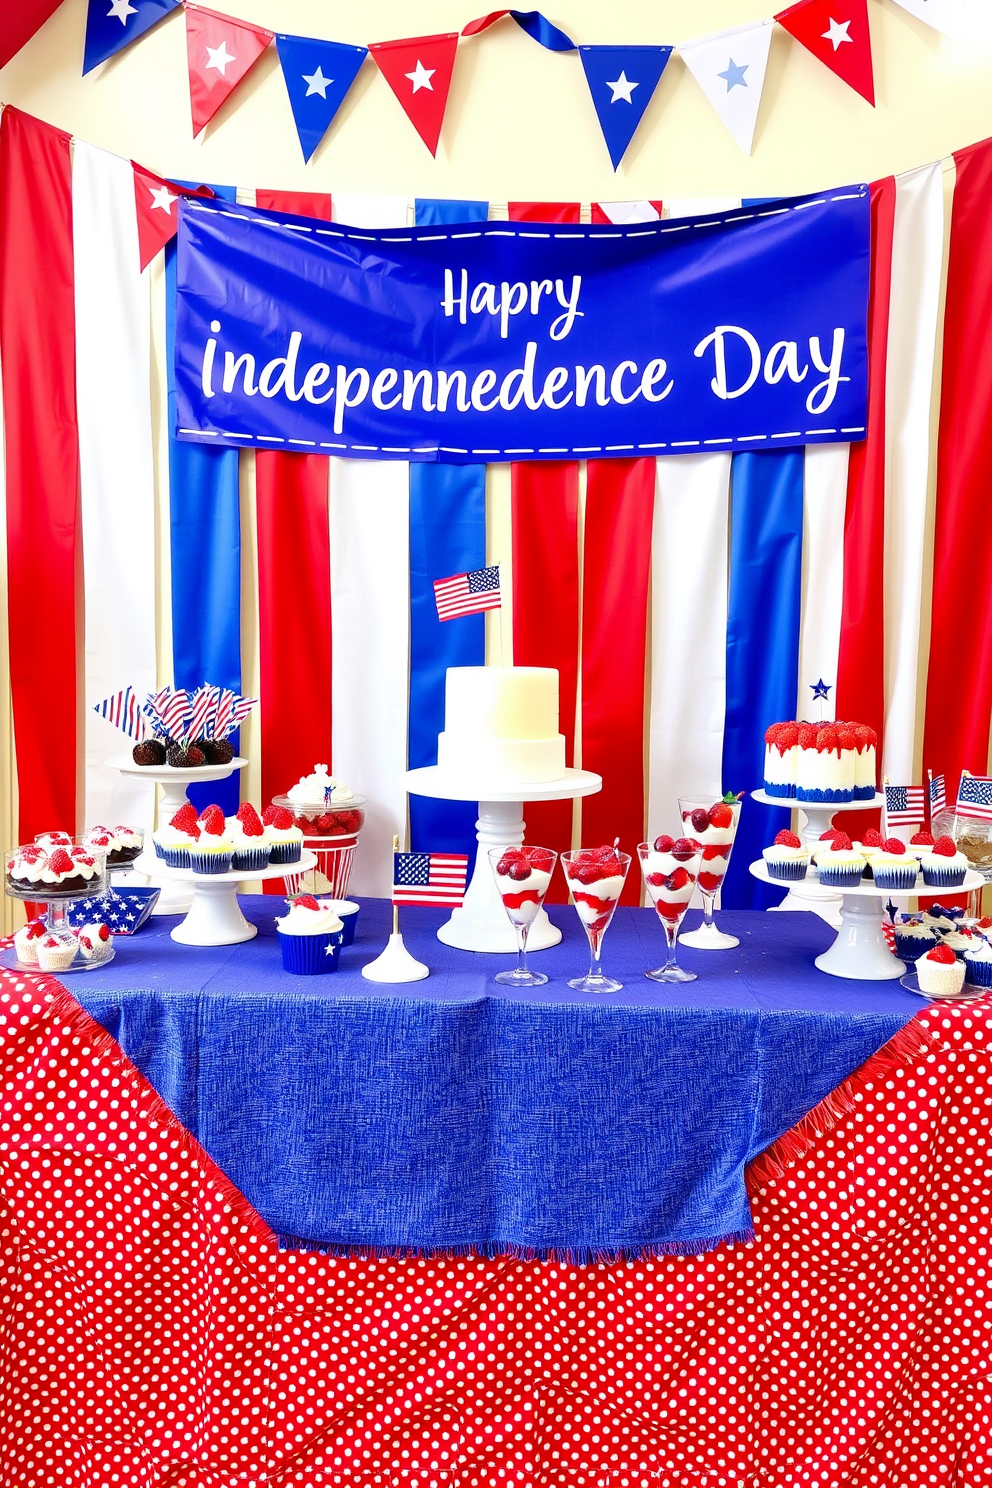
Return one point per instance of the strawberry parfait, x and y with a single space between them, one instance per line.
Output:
671 867
522 876
713 824
595 877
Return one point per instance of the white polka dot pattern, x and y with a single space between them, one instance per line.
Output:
154 1335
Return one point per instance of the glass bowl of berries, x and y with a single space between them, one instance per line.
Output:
323 806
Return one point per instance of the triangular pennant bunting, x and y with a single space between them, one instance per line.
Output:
418 69
624 212
964 20
622 80
112 25
19 20
318 75
537 26
836 32
220 51
155 204
730 66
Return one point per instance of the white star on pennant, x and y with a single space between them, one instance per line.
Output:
121 9
421 77
622 89
219 58
163 198
317 83
837 33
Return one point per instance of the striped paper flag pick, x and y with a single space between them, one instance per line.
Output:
429 878
203 708
123 710
467 593
903 806
975 796
938 796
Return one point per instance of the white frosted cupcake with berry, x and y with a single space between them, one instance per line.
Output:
894 867
838 865
172 842
56 953
213 850
940 973
943 867
310 936
284 837
920 844
787 859
26 941
247 833
95 941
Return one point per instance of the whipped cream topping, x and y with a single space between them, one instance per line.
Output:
934 860
979 950
312 790
535 884
97 946
302 920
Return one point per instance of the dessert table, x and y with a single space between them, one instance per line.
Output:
454 1113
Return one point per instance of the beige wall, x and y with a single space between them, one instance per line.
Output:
520 123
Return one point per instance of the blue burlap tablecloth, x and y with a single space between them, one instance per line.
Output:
453 1114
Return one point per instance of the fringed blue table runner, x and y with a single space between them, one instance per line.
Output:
455 1115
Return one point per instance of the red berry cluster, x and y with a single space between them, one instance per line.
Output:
592 864
517 863
681 848
333 823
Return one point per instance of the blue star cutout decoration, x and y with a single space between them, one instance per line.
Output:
734 75
820 689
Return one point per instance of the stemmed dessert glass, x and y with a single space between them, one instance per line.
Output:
595 877
713 823
671 869
522 877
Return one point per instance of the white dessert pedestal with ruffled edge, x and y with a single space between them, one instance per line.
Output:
176 896
818 817
860 950
481 923
214 917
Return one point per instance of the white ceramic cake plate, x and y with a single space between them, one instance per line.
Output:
481 923
818 817
860 951
214 916
175 898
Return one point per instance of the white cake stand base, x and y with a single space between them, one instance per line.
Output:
214 917
815 821
395 964
480 923
860 951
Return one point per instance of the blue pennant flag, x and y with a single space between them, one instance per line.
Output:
112 25
318 75
622 80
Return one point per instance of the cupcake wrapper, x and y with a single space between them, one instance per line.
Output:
308 955
286 852
943 878
978 972
895 878
786 872
349 921
210 862
174 857
250 859
840 878
159 851
911 948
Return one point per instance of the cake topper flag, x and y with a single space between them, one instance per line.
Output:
835 31
537 27
318 75
155 204
124 711
418 69
112 25
219 51
468 593
730 66
622 80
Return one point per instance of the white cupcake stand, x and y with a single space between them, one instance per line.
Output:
176 896
481 923
860 951
816 819
214 916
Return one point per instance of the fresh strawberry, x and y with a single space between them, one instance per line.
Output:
542 859
60 861
771 733
894 845
84 860
700 819
827 739
985 923
720 815
32 854
676 880
710 882
85 942
519 870
786 838
686 848
830 834
306 901
715 850
656 880
211 821
35 929
664 843
269 815
788 736
842 843
945 847
282 820
249 819
872 838
846 738
104 932
921 839
185 819
941 953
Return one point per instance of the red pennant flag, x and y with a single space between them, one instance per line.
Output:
220 50
419 72
835 31
155 204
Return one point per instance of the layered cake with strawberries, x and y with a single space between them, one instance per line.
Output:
828 763
501 726
38 873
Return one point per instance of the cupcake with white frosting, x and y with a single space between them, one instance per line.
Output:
310 936
787 859
940 973
894 867
943 867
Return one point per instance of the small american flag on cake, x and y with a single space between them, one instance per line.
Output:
429 878
975 796
468 593
904 806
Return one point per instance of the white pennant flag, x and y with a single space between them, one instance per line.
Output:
964 20
729 66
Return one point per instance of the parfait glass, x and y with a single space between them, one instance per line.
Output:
713 823
671 869
595 877
522 876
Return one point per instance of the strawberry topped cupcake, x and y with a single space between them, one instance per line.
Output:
172 842
787 859
247 832
943 866
310 936
920 843
213 849
838 865
894 867
940 973
26 941
284 837
869 847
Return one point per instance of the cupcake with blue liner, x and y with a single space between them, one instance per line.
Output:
943 867
213 851
786 860
961 942
247 834
920 843
310 936
173 841
347 912
869 847
894 867
914 938
284 837
978 962
838 865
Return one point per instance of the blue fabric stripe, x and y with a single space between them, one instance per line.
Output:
205 543
766 554
447 536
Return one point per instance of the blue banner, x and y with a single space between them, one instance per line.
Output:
736 330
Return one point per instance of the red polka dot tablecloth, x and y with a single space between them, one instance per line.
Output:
153 1336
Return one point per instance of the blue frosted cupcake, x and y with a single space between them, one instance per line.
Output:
310 937
914 939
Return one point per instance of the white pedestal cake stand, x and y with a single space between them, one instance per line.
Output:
818 817
214 916
860 950
176 896
481 923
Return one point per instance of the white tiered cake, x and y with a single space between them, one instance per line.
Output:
501 725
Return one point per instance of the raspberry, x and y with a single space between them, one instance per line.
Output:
872 838
806 737
842 843
893 845
941 953
185 819
60 861
282 820
921 839
664 843
306 901
945 847
721 815
327 823
700 819
248 817
787 839
149 752
211 820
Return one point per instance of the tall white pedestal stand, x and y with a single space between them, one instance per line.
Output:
481 924
860 950
815 821
177 895
214 917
